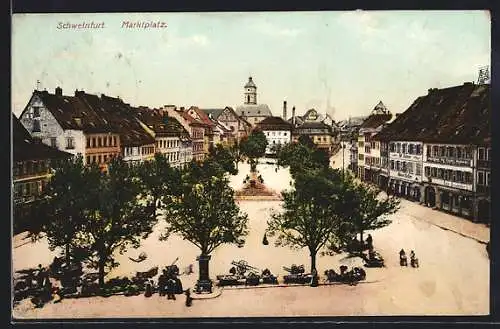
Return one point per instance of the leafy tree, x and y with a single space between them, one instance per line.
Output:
313 213
224 158
65 203
157 180
117 219
306 141
254 147
300 157
205 212
320 157
369 210
236 153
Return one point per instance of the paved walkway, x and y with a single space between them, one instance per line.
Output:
462 226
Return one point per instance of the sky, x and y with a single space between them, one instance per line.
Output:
342 63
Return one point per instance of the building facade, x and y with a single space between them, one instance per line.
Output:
33 163
405 169
278 133
439 151
71 124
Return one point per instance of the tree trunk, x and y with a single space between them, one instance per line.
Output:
101 272
68 257
313 261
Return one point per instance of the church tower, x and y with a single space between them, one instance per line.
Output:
250 92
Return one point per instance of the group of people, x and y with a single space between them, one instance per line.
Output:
46 291
403 260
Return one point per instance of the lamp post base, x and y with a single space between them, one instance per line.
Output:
204 284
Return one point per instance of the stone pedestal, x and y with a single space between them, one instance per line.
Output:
204 283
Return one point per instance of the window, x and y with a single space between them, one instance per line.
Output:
392 147
488 151
480 178
409 166
93 141
110 141
481 154
36 126
418 169
418 150
398 147
440 173
468 153
447 174
468 178
488 180
36 112
105 158
88 159
99 159
114 140
459 176
398 166
53 142
427 171
411 148
459 153
361 156
88 142
404 148
285 134
105 142
70 143
392 164
99 142
442 151
451 152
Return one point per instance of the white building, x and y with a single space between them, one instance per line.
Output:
278 132
450 169
405 168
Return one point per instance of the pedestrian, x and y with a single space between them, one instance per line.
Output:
189 299
149 289
171 288
369 241
162 283
40 276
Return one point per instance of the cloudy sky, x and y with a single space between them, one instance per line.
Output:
342 63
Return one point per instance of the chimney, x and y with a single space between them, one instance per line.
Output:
59 91
284 110
293 116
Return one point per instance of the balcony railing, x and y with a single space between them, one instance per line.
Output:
484 164
482 189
